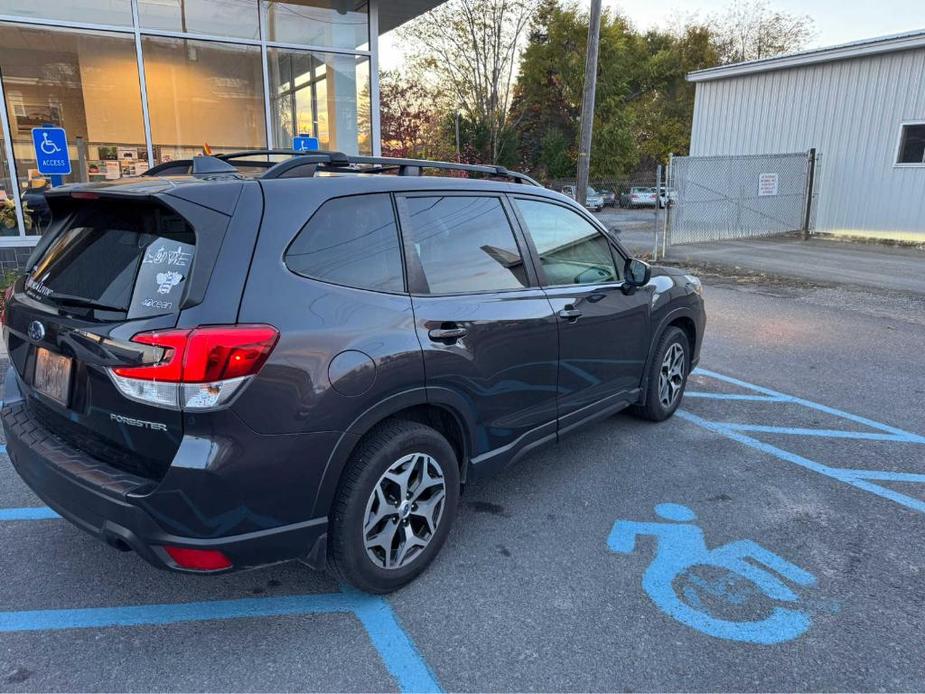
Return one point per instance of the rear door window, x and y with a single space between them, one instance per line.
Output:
117 260
464 244
350 241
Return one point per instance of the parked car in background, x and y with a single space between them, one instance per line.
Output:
638 196
594 201
610 198
667 196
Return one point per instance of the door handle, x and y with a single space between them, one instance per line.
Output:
570 314
447 335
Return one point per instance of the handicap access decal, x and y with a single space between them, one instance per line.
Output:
729 592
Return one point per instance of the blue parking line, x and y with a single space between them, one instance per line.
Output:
731 396
806 403
27 513
825 433
856 478
399 655
2 448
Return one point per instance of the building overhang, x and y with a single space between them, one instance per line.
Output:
393 13
883 44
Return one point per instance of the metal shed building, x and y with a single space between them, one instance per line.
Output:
861 105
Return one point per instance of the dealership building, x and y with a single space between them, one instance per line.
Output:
134 83
860 105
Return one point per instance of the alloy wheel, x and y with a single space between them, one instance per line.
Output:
671 375
404 510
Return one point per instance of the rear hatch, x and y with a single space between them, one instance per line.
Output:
111 267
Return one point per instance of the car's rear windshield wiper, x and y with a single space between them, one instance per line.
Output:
82 302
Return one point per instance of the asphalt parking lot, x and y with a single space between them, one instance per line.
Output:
769 537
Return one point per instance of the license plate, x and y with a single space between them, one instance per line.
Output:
52 375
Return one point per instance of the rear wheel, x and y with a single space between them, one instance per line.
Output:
667 376
394 507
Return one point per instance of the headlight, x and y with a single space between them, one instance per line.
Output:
694 283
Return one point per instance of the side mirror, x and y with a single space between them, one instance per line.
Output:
636 272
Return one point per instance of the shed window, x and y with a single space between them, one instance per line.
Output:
912 144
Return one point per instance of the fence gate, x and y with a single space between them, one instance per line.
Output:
737 197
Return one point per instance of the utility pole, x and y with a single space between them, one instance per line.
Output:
587 102
458 152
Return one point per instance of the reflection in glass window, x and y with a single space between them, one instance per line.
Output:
326 23
203 92
465 244
351 241
8 198
324 95
571 249
912 144
237 18
85 82
117 12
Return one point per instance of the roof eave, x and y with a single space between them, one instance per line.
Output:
887 44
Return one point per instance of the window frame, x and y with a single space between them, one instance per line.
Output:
899 146
618 254
417 279
399 238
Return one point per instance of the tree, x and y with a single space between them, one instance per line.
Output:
469 48
548 94
411 118
751 30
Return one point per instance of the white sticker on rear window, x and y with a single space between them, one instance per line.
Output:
161 277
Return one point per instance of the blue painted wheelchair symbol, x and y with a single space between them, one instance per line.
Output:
51 156
305 143
681 546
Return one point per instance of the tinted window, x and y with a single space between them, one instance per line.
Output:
912 144
117 257
571 250
465 244
351 241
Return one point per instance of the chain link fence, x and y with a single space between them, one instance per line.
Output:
738 197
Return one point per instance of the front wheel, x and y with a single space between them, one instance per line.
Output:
666 377
394 506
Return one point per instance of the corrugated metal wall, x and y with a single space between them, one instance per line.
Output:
851 112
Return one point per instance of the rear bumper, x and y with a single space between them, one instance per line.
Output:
109 503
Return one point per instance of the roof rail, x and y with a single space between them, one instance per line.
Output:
305 164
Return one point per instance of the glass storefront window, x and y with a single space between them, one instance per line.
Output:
83 81
116 12
327 23
203 92
325 95
233 18
8 196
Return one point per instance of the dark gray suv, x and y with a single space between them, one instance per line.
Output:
241 360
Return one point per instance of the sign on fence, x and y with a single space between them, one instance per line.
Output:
767 184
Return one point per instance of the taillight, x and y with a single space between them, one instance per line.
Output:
197 369
198 559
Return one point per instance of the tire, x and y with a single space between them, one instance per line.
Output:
401 449
655 409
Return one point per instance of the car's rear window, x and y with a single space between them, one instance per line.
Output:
116 258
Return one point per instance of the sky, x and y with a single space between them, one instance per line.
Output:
836 21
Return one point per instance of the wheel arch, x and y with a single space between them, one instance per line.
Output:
441 411
682 318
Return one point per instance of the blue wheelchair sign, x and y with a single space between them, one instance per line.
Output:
51 154
681 546
305 143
